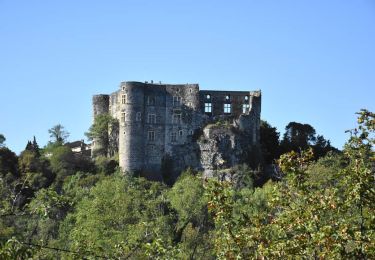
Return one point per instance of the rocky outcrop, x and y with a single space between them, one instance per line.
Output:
222 146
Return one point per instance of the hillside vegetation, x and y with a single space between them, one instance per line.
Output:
59 205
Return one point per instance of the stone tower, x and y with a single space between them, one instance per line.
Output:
100 105
159 121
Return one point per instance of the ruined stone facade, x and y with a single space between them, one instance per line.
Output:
179 124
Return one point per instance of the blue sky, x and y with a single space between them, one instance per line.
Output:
313 60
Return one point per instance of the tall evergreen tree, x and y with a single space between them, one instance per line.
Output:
35 147
29 146
269 141
2 140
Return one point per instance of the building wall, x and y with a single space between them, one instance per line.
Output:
173 113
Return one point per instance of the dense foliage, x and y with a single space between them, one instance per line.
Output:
59 205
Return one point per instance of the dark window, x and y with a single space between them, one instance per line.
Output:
176 118
138 116
123 117
151 119
177 101
151 135
174 137
151 101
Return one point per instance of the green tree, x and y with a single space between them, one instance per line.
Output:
47 209
105 165
15 250
297 137
104 134
58 134
192 231
119 218
322 146
2 140
269 141
240 218
62 160
8 162
35 146
358 180
29 162
319 210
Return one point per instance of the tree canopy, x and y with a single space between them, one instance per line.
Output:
322 207
2 140
104 134
58 134
269 141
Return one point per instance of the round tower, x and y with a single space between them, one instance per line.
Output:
131 137
100 105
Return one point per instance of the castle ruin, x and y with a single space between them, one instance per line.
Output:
181 126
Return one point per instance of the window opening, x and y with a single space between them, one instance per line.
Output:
151 101
151 135
245 108
176 119
177 101
138 116
151 119
208 107
227 108
173 137
123 116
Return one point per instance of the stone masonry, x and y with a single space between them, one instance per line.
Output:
181 125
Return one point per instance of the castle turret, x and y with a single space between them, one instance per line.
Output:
131 138
100 105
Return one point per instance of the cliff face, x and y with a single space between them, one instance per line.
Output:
223 146
219 146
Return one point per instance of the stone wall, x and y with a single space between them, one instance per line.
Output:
159 121
238 102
